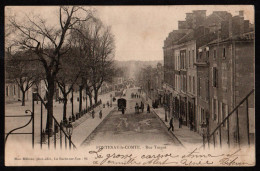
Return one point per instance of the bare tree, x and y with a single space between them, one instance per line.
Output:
67 76
49 43
22 72
103 68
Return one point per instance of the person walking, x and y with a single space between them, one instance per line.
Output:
100 114
180 121
93 114
123 110
171 125
136 108
148 108
142 106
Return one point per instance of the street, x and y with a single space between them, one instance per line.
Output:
131 128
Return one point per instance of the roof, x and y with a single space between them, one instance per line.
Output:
216 18
174 36
189 36
243 37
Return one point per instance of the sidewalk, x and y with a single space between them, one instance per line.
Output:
88 124
81 127
184 134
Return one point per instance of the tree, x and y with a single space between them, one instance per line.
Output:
103 64
22 72
96 44
67 76
49 44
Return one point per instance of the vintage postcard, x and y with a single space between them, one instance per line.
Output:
130 85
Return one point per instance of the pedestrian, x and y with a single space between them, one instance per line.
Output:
93 114
123 110
180 121
107 104
142 106
100 114
148 108
136 108
171 125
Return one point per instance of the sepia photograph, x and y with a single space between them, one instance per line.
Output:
170 85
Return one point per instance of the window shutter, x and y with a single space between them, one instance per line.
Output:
226 114
212 76
212 104
220 112
216 77
217 111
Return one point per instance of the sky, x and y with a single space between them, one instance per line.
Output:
139 31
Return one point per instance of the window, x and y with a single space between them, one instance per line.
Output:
177 83
202 115
207 55
214 77
189 60
193 58
193 85
189 84
224 52
200 55
220 117
215 54
199 86
183 59
14 90
184 83
6 91
215 110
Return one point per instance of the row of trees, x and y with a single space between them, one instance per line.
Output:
77 50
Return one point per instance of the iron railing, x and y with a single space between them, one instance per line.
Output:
226 119
59 128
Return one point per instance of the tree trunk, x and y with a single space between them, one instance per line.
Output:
50 94
72 103
86 98
65 108
80 97
90 99
96 95
23 98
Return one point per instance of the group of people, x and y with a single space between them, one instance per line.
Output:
100 114
135 95
137 107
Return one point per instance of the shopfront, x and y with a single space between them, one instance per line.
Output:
191 113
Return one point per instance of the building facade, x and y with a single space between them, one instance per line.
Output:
203 78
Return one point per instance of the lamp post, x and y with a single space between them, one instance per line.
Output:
69 130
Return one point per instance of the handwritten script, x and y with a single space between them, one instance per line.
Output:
192 158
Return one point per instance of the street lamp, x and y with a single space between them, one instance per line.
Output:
69 130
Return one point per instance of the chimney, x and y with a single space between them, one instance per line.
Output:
182 25
241 13
225 29
246 26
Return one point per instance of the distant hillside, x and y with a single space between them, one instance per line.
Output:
132 67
